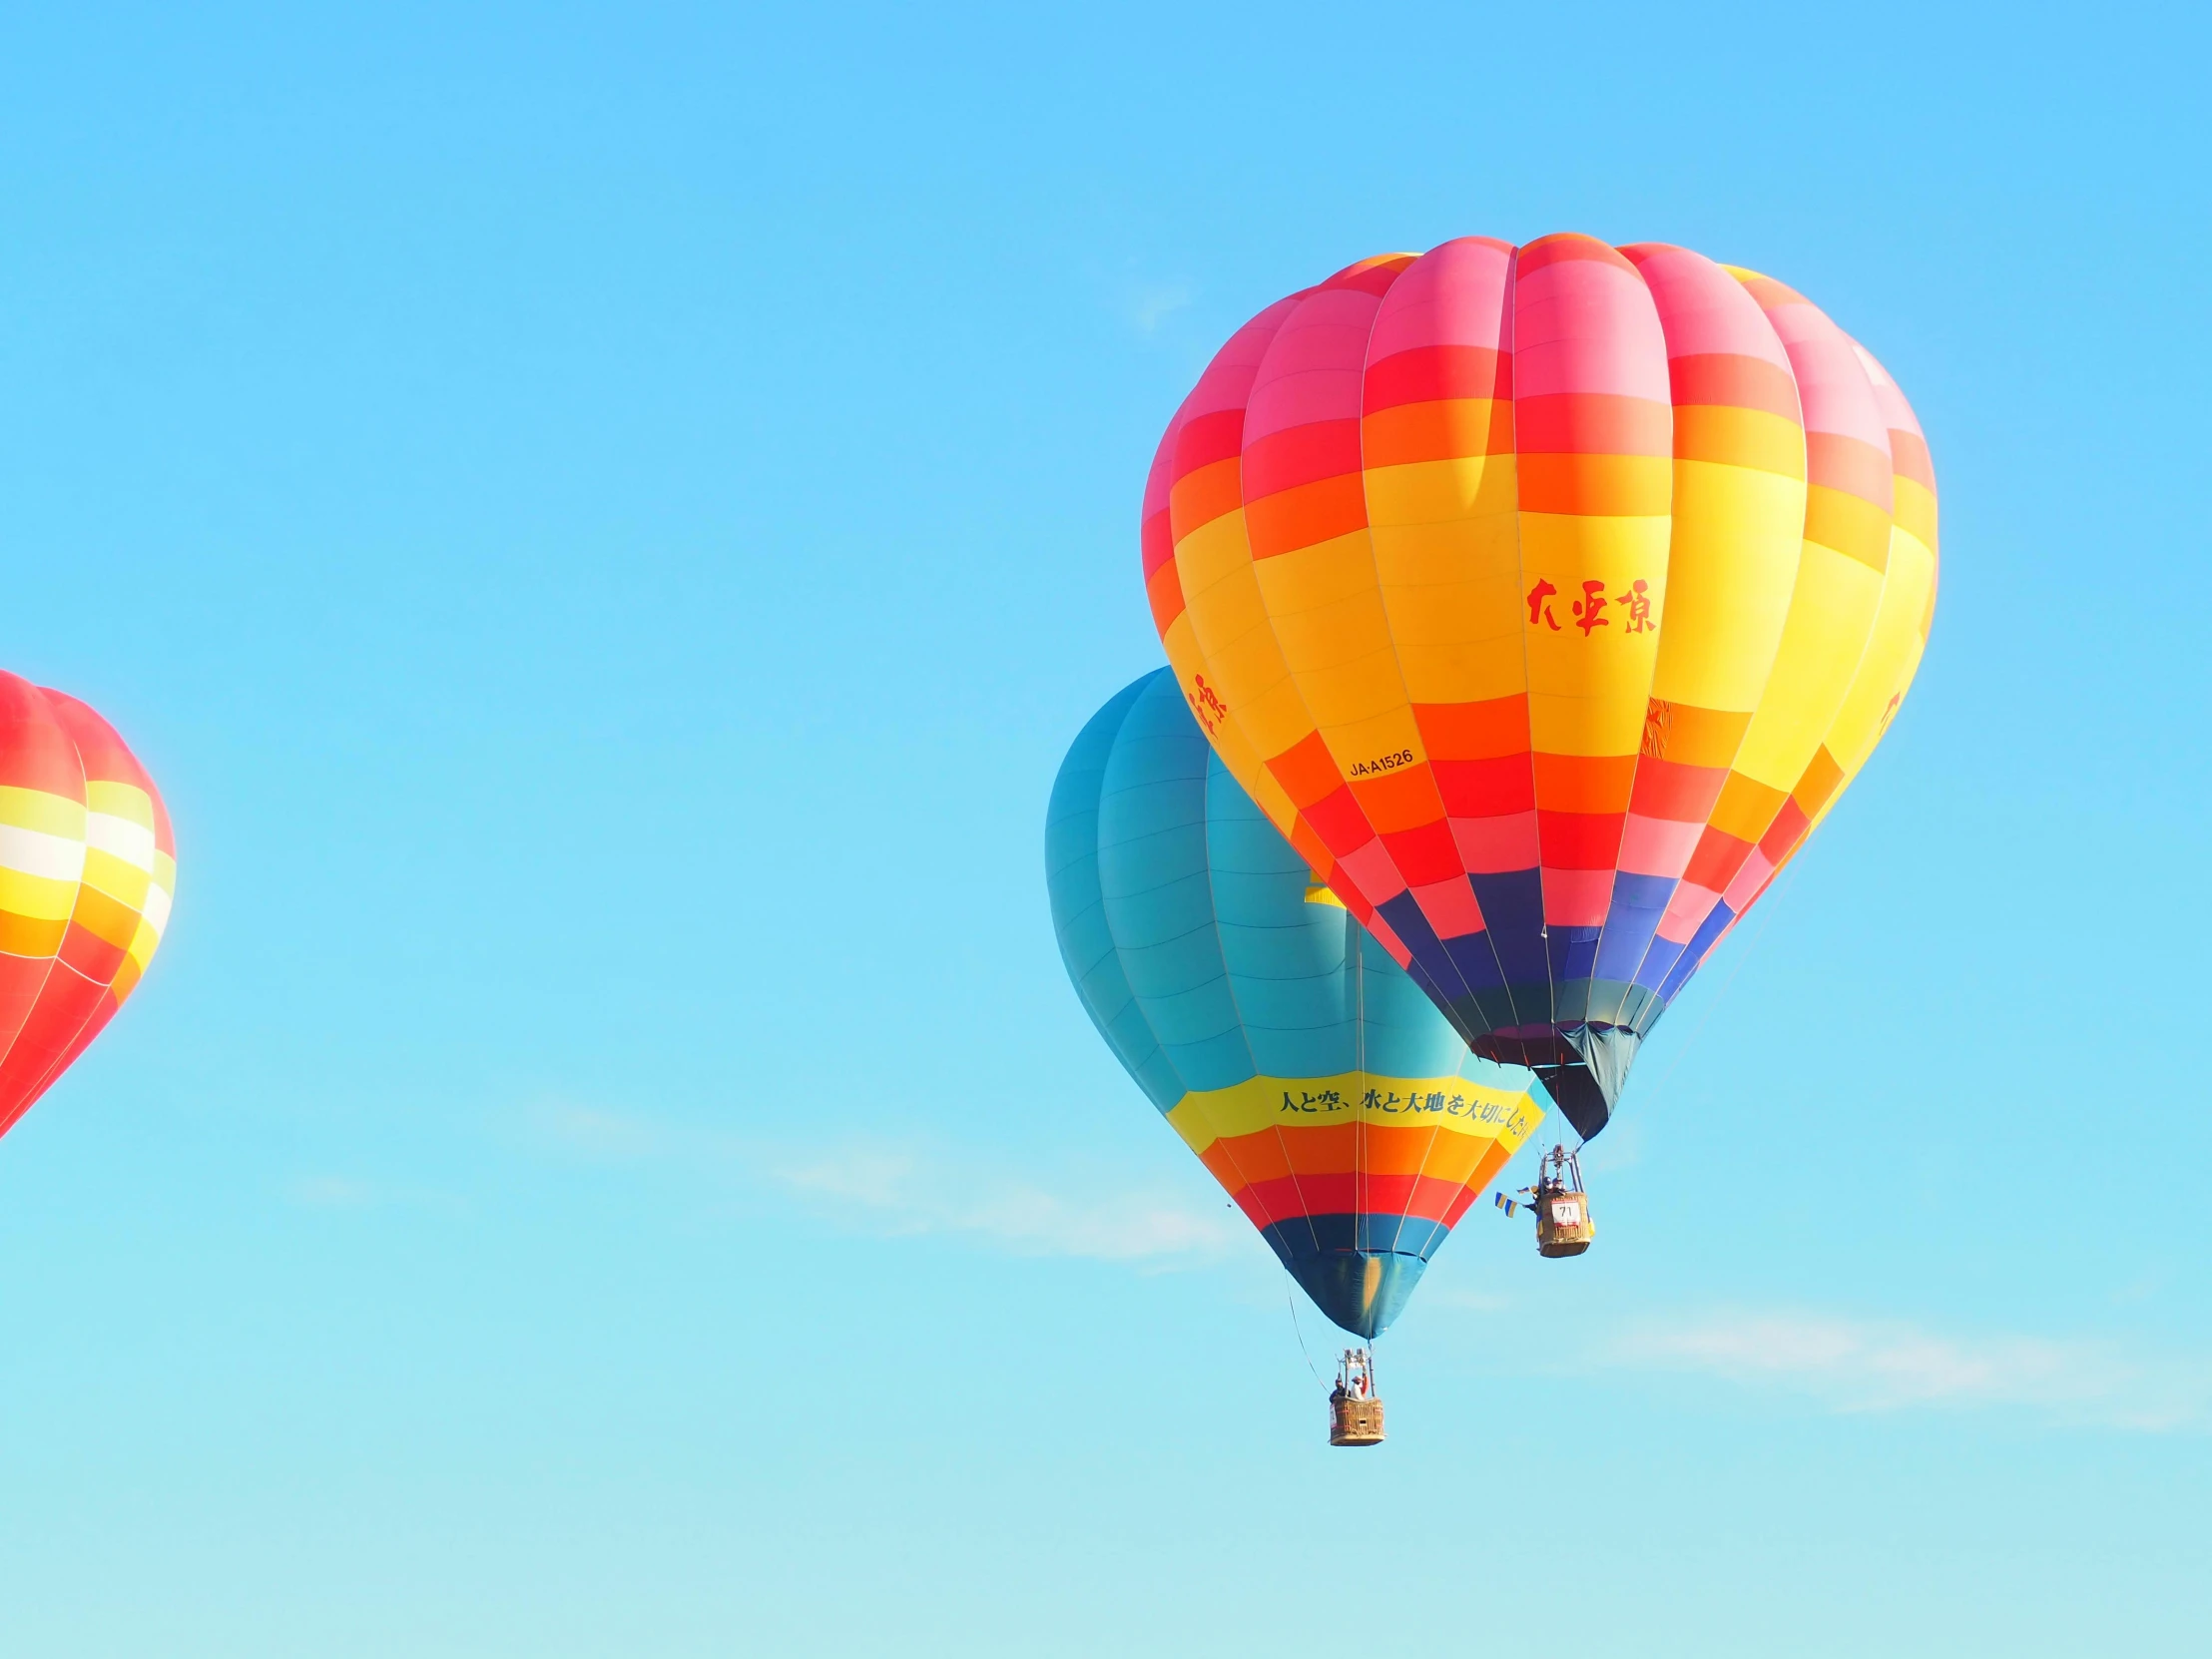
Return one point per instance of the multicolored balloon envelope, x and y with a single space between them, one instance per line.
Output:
1341 1112
86 870
1545 597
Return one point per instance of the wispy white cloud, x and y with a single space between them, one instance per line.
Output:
1884 1366
1148 304
913 1190
910 1187
345 1192
330 1191
597 1136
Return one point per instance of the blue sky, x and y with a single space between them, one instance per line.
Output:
603 522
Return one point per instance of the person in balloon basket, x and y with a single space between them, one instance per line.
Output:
1355 1380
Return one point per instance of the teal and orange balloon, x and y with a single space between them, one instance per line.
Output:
1310 1075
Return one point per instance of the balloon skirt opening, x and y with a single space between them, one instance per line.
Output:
1360 1291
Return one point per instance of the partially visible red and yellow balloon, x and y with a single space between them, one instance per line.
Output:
87 872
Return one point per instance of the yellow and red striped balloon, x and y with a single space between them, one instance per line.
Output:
87 872
1545 597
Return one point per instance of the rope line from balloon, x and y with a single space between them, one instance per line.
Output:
1291 1302
1719 996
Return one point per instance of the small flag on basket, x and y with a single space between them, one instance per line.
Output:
1509 1206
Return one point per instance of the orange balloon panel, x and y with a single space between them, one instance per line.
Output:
86 871
1544 597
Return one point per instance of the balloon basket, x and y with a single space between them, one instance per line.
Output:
1355 1413
1563 1226
1355 1422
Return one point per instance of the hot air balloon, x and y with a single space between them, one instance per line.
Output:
1545 597
1339 1110
86 870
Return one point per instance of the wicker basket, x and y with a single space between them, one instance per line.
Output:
1355 1422
1563 1226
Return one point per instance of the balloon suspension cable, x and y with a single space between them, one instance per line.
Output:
1290 1300
1720 995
